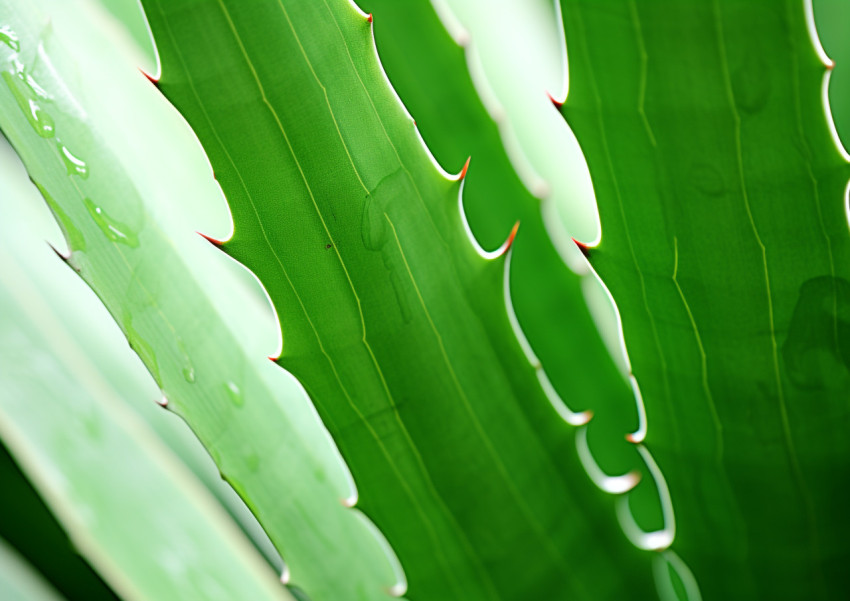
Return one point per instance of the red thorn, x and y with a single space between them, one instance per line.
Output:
558 103
584 248
369 18
509 242
211 240
830 66
465 169
273 359
631 438
150 77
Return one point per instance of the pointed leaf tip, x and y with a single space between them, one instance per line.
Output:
150 78
507 245
465 169
65 258
214 241
584 248
558 103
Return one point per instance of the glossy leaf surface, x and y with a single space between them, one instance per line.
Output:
725 244
81 120
394 324
127 504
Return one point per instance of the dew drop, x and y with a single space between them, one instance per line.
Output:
10 38
73 164
41 122
142 348
72 233
112 229
235 394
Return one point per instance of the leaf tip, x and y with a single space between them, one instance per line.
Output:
635 437
214 241
557 103
509 242
465 169
150 78
584 248
65 257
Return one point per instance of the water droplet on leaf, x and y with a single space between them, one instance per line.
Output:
112 229
10 38
73 164
235 394
41 122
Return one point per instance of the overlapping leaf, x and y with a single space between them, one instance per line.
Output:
725 245
78 116
394 324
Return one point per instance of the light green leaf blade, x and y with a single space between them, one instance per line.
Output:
394 324
94 144
725 244
19 581
137 515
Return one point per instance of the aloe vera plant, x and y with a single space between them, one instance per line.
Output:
482 421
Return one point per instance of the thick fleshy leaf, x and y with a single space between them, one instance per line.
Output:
19 581
725 244
113 163
127 504
393 322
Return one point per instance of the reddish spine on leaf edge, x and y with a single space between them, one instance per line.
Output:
558 103
509 242
150 77
465 168
584 248
369 18
210 239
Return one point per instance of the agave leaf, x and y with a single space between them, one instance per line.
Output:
546 295
39 538
19 581
89 129
832 18
392 321
725 244
127 504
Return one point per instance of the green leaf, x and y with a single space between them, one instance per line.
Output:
84 122
125 501
393 323
19 581
38 538
725 244
546 295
